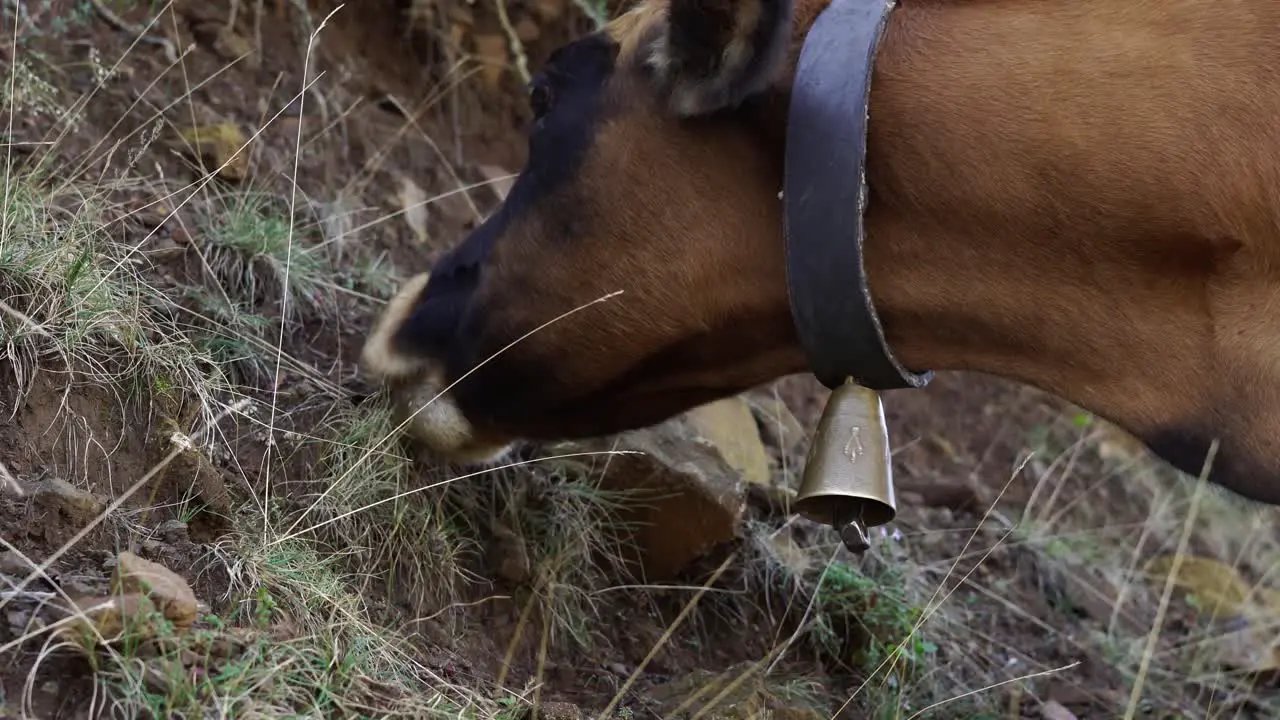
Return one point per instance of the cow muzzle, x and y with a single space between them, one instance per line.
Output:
407 352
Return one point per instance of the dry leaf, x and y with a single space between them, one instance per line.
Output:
1217 587
1054 710
414 202
223 146
1254 649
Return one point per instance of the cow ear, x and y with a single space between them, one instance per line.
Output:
716 53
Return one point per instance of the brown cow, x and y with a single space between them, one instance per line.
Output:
1080 195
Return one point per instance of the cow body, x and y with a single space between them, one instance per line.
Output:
1080 195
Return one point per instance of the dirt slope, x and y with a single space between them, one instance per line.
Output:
178 381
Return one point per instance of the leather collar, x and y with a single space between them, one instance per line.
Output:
824 196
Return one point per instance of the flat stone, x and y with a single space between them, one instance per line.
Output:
78 505
167 589
141 592
683 498
173 531
778 425
730 427
108 617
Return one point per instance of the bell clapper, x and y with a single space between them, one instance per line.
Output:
851 528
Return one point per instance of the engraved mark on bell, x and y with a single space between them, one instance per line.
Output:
853 448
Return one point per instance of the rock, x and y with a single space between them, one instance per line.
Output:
78 587
776 499
228 44
731 428
61 496
173 531
527 30
954 496
690 477
491 51
109 616
1218 588
19 621
549 10
141 592
555 711
193 469
165 588
1117 444
683 498
11 563
778 425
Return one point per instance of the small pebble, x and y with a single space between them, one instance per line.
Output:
173 531
12 564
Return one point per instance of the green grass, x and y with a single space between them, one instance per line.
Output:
331 663
255 253
77 305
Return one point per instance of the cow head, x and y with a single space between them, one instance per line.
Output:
653 177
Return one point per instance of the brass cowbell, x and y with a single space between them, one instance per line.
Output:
848 477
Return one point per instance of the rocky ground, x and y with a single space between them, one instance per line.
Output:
205 510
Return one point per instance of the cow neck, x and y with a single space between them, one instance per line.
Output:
824 197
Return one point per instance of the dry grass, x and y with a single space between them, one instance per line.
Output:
341 544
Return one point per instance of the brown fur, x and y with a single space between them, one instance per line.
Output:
1081 195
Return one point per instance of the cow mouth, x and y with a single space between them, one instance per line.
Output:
430 414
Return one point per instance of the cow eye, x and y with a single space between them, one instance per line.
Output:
540 98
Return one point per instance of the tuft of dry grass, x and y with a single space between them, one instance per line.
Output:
78 304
